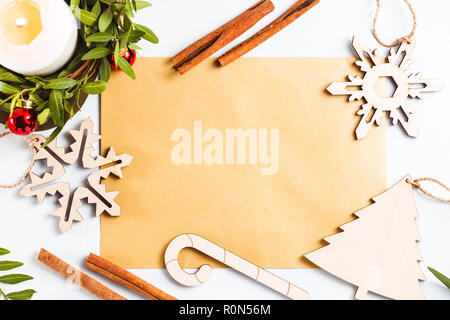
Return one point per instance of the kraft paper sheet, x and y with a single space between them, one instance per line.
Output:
324 174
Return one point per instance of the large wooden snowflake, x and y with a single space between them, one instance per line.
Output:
375 67
94 191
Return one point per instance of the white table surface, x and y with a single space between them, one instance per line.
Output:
326 30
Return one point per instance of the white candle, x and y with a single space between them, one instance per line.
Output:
37 37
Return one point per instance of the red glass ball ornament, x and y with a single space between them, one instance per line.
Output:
23 121
127 54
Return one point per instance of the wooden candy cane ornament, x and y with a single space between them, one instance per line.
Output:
230 259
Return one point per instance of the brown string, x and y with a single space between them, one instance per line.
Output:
416 184
407 39
31 144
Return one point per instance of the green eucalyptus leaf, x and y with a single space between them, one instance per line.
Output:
135 36
10 77
142 4
44 116
134 46
60 83
104 70
74 3
133 5
96 9
14 278
68 107
123 38
68 94
441 277
63 74
96 87
105 20
125 67
149 34
21 295
100 37
111 29
9 265
109 2
118 7
86 17
14 102
52 136
4 251
35 98
6 108
42 106
7 88
97 53
127 23
56 106
36 80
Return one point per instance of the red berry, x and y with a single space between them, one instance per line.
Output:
23 121
128 54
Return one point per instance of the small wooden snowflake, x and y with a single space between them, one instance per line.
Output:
94 192
375 67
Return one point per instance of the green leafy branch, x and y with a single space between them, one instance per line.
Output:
440 277
12 279
106 29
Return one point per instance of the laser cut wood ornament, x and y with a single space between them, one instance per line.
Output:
95 192
378 252
220 254
375 67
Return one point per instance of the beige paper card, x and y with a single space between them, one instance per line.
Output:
255 157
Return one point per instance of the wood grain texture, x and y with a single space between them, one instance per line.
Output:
230 259
378 252
219 38
126 278
292 14
234 205
79 278
393 67
95 192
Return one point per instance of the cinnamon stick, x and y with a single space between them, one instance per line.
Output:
219 38
79 70
77 277
126 278
292 14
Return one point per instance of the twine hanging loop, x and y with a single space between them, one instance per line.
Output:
32 145
407 39
417 185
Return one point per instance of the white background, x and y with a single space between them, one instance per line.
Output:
326 30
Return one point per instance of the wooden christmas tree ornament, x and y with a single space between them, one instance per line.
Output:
220 254
378 252
376 67
95 192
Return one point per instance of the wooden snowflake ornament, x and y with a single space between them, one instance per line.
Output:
94 191
378 252
375 67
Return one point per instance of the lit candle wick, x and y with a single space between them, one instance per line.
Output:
21 22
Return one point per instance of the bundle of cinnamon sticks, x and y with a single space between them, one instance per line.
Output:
107 269
222 36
